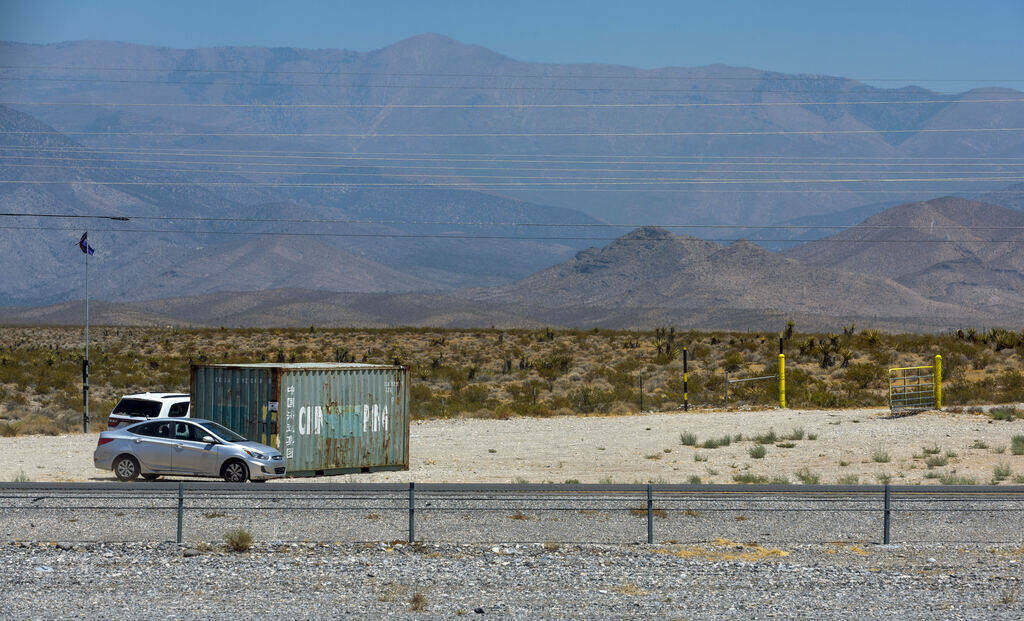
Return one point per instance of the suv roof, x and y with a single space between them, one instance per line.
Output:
156 396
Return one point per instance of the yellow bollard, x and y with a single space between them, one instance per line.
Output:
782 380
937 381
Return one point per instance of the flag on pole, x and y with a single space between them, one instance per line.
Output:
84 244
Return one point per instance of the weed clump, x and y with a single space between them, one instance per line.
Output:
238 540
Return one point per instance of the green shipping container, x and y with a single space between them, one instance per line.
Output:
325 418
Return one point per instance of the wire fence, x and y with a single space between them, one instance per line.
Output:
492 513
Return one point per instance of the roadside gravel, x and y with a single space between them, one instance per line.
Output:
714 580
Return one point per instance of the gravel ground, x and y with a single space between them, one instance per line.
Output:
715 580
627 449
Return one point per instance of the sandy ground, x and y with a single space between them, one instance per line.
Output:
641 448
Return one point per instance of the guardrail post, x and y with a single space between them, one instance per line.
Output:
412 512
885 532
650 513
181 507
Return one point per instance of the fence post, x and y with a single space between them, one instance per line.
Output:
727 388
181 507
782 381
412 512
937 382
650 514
641 391
885 532
686 392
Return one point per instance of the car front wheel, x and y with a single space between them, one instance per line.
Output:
235 471
126 468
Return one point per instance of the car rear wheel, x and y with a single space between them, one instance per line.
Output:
235 471
151 476
126 468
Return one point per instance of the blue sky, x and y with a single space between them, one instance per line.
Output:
911 40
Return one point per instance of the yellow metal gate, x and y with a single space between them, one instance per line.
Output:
916 388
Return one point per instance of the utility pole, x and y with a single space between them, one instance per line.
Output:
85 362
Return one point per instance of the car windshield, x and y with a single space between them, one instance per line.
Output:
224 432
138 407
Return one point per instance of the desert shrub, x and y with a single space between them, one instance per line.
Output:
881 457
956 479
554 366
713 443
238 540
757 451
1011 383
733 361
688 439
1005 413
747 477
866 375
768 437
807 477
1017 445
796 434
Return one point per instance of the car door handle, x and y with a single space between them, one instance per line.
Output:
137 441
178 446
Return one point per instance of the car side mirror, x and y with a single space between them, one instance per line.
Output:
209 440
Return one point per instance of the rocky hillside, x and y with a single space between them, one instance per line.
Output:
948 249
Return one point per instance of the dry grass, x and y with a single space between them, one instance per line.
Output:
630 588
725 550
642 512
499 374
418 602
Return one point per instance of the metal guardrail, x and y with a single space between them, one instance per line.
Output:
640 500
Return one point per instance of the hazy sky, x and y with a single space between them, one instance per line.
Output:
915 40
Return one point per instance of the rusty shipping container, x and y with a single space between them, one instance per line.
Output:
325 418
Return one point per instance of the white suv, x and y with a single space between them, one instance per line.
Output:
144 406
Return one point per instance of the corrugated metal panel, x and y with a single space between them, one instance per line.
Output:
323 417
232 396
344 419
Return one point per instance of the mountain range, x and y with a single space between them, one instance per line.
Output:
285 186
870 275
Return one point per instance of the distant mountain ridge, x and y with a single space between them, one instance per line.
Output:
950 249
650 277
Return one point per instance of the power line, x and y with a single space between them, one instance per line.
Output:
505 105
560 76
493 237
250 220
511 185
122 163
208 171
487 157
116 163
863 89
810 132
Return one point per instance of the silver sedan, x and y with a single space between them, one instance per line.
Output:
193 447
